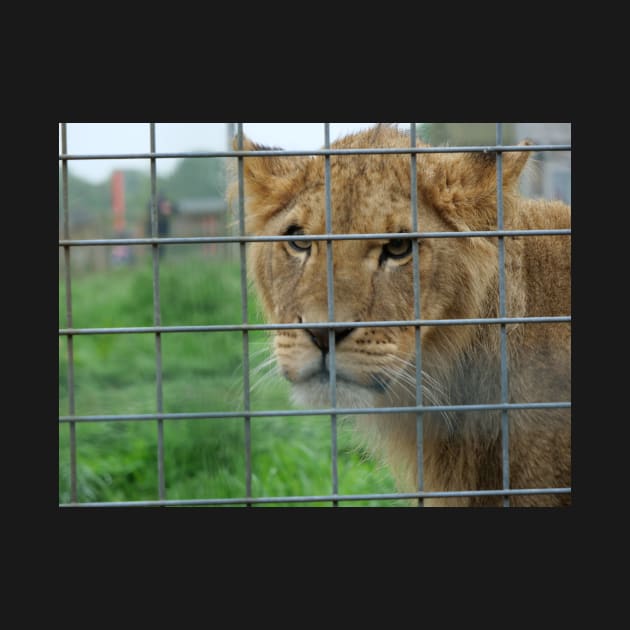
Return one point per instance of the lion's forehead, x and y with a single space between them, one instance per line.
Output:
351 211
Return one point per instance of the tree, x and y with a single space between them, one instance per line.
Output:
463 134
196 177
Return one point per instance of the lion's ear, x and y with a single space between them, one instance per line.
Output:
464 186
269 181
261 168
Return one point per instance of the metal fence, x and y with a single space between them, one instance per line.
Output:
157 329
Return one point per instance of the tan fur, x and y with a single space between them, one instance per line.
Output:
458 278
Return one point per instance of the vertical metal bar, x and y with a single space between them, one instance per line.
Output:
331 317
157 320
229 250
230 135
70 343
505 436
416 308
244 318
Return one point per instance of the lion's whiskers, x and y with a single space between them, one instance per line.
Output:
403 377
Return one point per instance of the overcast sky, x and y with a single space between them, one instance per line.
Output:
109 138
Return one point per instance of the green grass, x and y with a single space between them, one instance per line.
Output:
203 458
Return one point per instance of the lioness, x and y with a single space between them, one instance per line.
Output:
459 278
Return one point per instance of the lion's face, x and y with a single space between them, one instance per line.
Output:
373 281
373 278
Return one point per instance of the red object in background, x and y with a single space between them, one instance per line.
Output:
118 201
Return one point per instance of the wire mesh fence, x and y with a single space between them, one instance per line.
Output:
158 330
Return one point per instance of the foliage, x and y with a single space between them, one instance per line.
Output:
463 134
196 177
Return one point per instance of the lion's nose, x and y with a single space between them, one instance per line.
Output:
320 337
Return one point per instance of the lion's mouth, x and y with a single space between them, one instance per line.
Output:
315 392
375 383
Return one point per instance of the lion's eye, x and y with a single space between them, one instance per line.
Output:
301 246
397 248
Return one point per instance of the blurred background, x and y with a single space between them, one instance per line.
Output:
110 198
112 286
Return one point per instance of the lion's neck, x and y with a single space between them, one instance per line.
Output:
460 450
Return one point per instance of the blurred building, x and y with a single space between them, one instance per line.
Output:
549 173
203 216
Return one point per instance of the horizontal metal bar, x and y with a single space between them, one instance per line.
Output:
310 325
139 417
272 152
325 497
185 240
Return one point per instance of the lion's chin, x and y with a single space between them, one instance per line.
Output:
315 393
